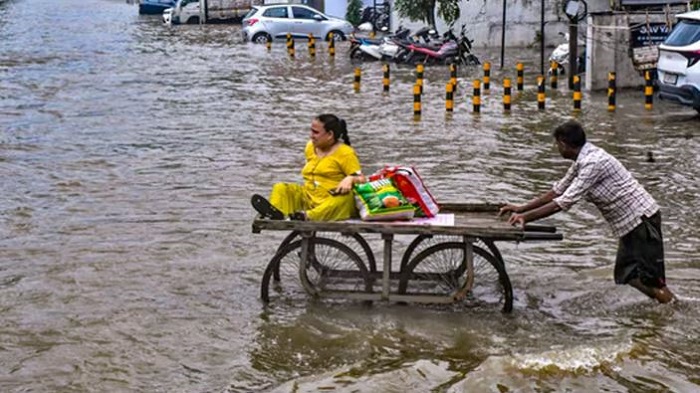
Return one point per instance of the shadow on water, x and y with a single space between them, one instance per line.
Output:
128 153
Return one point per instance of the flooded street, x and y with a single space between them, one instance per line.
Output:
128 154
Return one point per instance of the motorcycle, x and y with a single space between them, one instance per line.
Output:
560 54
452 50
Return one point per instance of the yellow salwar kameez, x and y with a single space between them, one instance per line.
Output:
321 174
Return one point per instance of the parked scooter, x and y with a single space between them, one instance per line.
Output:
382 49
560 54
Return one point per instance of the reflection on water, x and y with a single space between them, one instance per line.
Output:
129 150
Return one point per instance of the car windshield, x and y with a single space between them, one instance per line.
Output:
686 32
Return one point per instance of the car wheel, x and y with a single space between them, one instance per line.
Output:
337 36
193 20
261 38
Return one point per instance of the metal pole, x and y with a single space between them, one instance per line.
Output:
542 38
374 22
573 51
503 34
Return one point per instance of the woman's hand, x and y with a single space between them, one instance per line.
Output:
345 185
348 182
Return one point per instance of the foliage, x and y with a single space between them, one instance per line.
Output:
354 12
424 10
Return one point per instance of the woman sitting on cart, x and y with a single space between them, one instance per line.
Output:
331 170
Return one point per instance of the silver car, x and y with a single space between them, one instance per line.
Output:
269 22
679 62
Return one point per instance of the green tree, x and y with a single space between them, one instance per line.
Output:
354 12
424 10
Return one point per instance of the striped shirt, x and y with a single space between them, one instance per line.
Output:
601 179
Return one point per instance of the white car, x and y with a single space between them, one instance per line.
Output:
679 62
268 22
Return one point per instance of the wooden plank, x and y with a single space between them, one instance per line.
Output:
495 231
475 220
454 207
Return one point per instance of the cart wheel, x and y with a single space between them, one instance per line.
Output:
359 245
332 266
440 269
422 242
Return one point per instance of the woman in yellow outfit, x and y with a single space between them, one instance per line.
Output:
331 170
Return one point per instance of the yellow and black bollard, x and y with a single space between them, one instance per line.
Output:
577 93
540 92
554 74
290 45
387 77
358 76
416 102
268 44
476 99
648 91
487 77
612 90
506 94
453 77
331 45
312 46
521 76
449 97
419 76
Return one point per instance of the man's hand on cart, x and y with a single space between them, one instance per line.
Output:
517 219
510 208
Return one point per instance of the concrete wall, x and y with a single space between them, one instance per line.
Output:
484 21
608 49
340 7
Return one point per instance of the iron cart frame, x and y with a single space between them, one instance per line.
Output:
441 259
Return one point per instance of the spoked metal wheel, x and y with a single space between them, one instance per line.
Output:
441 269
421 242
332 267
353 240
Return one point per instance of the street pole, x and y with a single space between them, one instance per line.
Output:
374 22
573 51
542 39
503 35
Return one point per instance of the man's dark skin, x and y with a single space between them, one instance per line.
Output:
543 206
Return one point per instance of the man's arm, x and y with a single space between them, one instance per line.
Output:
533 204
535 214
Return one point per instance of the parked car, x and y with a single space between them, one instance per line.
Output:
269 22
155 7
679 62
187 11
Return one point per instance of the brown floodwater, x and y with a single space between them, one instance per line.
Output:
128 154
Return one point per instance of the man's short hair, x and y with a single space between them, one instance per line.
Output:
571 133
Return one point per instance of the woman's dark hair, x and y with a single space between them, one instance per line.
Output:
336 125
571 133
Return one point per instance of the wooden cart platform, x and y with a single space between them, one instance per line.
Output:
453 252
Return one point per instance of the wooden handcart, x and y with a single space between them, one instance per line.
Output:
334 260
